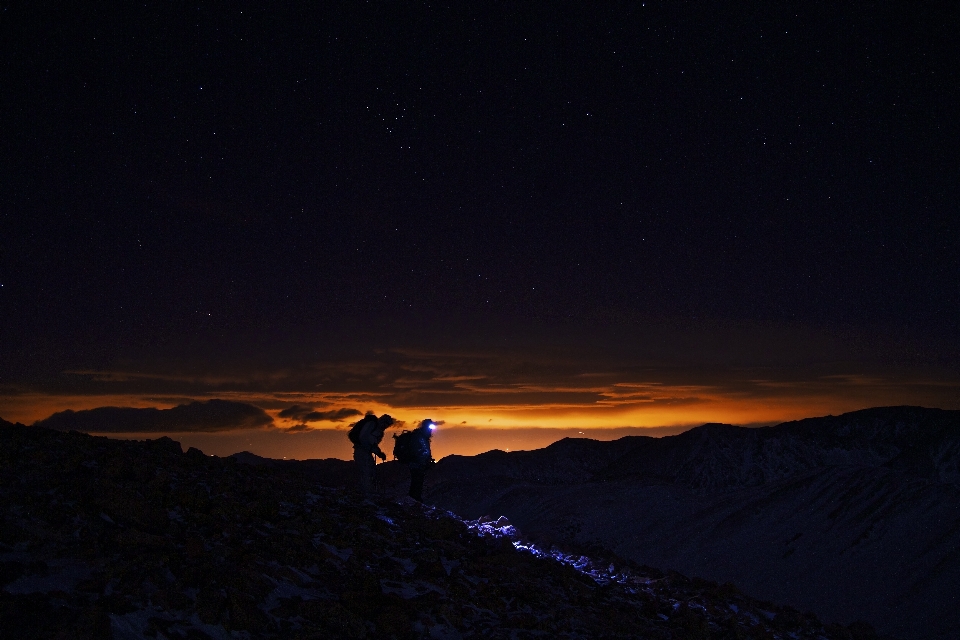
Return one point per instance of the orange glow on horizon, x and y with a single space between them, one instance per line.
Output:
484 395
31 408
675 407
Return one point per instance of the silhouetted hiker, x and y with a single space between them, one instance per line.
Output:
412 448
366 436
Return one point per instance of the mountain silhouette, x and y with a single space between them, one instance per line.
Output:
854 516
104 538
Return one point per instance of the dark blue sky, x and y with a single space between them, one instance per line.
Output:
189 179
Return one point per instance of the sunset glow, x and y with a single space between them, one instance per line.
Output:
480 401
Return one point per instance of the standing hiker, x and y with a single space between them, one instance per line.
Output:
366 436
412 448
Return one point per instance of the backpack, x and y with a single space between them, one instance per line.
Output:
404 447
354 433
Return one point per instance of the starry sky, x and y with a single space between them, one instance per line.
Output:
526 220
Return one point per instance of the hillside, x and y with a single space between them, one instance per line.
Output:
852 517
119 539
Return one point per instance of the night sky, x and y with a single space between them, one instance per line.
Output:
502 216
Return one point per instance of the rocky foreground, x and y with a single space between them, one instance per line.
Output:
118 539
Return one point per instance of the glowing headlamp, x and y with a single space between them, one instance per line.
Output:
431 426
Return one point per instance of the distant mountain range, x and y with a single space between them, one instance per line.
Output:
852 517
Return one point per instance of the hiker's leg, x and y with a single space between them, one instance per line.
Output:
416 484
365 470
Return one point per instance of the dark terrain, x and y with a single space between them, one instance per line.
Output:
107 538
852 517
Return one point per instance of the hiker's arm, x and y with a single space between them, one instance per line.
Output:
371 442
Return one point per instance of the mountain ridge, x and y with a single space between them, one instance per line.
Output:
130 540
740 455
850 516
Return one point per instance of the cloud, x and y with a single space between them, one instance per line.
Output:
295 412
129 376
309 414
297 428
209 416
656 376
337 415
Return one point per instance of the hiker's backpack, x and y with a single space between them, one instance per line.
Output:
354 433
404 447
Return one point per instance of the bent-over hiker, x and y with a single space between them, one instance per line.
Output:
366 436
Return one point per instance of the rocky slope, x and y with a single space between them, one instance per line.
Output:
116 539
853 517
